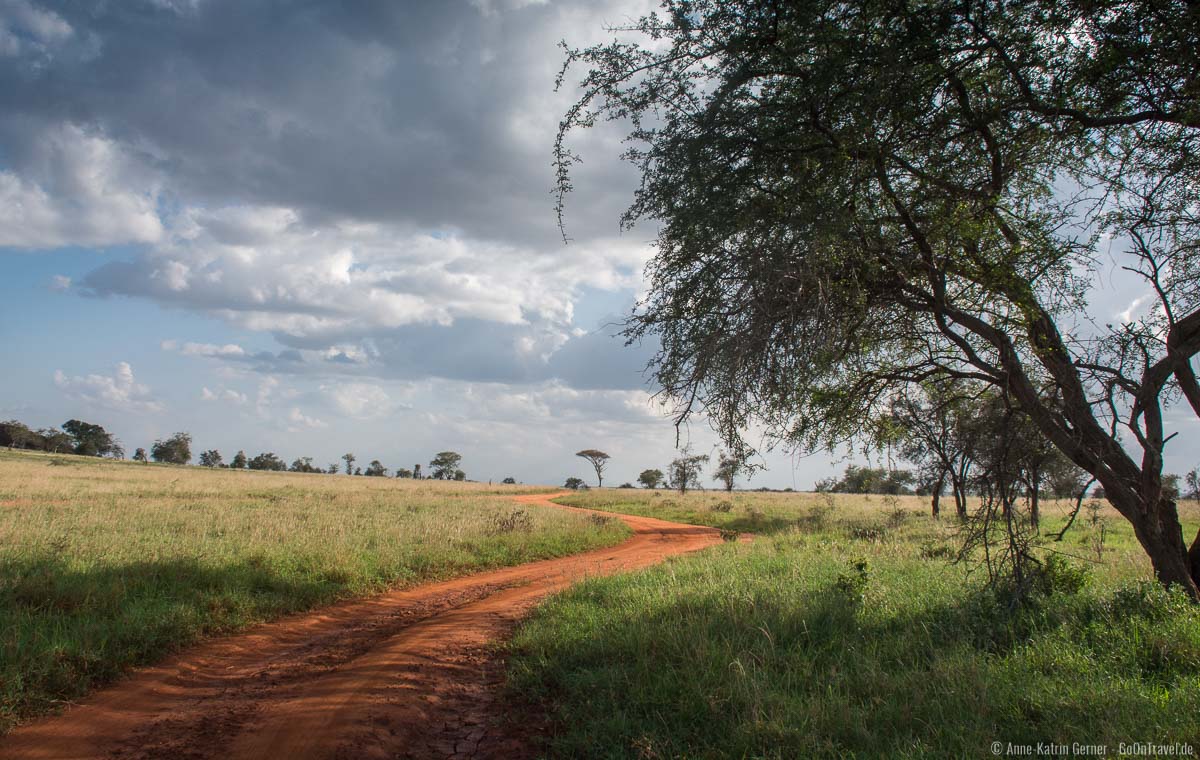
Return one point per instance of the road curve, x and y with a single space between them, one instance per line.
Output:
406 674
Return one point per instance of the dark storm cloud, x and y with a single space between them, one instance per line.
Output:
433 114
335 174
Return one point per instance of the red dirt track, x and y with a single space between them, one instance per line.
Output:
406 674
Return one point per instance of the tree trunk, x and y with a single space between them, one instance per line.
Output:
960 497
1034 515
1161 535
937 495
1194 558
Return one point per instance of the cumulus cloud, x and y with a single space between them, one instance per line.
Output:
71 186
207 349
275 272
119 391
309 197
225 395
299 421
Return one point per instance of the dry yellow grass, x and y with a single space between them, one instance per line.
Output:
107 564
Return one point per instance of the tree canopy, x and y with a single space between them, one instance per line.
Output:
174 450
651 478
685 470
267 461
856 197
92 440
211 458
598 460
444 466
729 466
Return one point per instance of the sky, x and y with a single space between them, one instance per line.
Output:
315 228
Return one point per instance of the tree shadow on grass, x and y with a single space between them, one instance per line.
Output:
65 629
837 673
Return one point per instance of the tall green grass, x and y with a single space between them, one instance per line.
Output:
105 565
845 632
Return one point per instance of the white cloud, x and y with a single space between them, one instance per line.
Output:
1135 306
360 400
300 420
264 268
209 349
266 393
120 391
76 187
227 395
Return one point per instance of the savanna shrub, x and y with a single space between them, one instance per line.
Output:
937 551
517 521
854 583
1057 575
1145 599
867 533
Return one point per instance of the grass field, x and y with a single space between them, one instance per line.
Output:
104 565
843 630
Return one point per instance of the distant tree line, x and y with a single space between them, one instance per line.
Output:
89 439
878 480
74 437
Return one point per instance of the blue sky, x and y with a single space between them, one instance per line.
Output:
328 229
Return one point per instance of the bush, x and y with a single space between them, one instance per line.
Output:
867 533
1145 599
854 583
937 551
722 506
1057 575
517 521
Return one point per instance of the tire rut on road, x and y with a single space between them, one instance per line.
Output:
410 673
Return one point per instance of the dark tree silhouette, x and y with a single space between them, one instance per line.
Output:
599 460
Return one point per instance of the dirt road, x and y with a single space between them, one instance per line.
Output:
406 674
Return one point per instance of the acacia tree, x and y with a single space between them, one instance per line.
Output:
174 450
267 460
210 458
92 440
444 466
599 460
937 428
651 478
685 470
376 469
856 197
349 459
728 467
